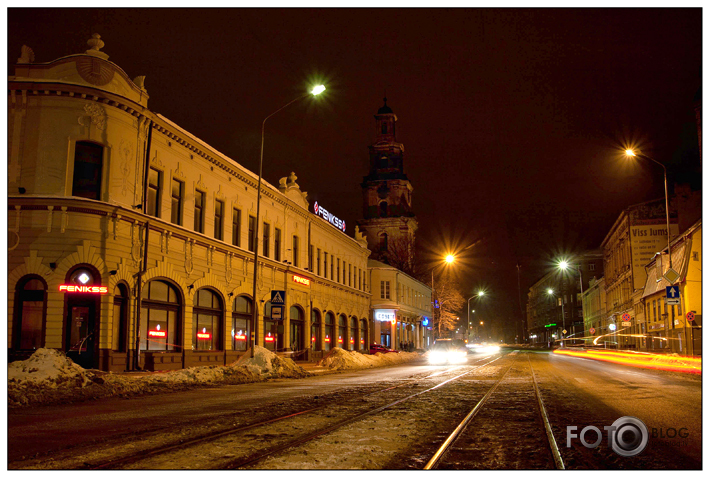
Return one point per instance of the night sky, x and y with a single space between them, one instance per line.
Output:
512 119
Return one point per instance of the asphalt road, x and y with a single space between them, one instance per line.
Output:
577 392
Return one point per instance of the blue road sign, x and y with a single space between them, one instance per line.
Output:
672 292
277 297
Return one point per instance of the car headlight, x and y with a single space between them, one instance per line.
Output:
437 357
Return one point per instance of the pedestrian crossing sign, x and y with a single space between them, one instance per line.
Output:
277 297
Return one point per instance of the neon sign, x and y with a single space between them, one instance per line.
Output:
156 333
385 315
92 289
203 336
320 211
301 280
340 340
327 339
269 339
313 339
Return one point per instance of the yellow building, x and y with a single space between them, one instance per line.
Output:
669 326
114 209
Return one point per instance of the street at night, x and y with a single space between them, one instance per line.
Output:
507 432
220 256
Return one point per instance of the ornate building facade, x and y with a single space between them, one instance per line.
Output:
131 241
389 222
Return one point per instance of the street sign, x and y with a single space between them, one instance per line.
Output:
671 275
673 295
277 312
690 316
626 317
626 324
564 331
592 331
277 297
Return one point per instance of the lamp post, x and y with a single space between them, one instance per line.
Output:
252 336
468 312
630 152
562 308
564 265
449 259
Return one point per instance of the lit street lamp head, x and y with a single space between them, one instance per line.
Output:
630 152
318 90
481 293
563 265
550 291
450 259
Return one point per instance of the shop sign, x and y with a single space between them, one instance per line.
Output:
156 333
301 280
204 335
425 321
385 315
240 335
92 289
320 211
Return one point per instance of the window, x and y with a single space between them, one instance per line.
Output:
88 164
277 244
30 309
330 339
325 264
345 272
199 215
241 320
218 219
384 289
252 232
337 277
384 128
383 210
176 192
318 261
267 234
295 251
310 258
332 268
207 317
160 312
120 318
155 178
296 328
359 279
236 226
591 267
315 330
383 242
350 275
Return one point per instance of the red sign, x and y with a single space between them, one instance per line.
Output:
340 340
240 337
626 317
690 316
302 280
313 339
327 339
592 330
204 335
156 333
269 339
352 341
92 289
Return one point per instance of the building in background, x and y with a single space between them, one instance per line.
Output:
400 307
388 223
127 233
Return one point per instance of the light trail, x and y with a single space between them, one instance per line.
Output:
639 359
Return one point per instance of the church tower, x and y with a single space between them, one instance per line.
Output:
389 223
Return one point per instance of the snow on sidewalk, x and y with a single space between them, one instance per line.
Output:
339 359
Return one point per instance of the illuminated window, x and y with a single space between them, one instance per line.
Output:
241 320
207 320
384 289
120 318
160 312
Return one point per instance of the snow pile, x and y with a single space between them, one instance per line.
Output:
49 368
265 362
49 376
340 359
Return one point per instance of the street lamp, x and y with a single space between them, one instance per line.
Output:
468 304
630 153
252 337
551 292
449 259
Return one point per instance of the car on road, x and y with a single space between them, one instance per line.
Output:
447 351
374 348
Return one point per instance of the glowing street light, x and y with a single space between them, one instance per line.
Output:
631 153
252 337
450 259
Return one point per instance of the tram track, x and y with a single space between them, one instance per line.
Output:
143 449
462 450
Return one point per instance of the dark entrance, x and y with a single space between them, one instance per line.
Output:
81 333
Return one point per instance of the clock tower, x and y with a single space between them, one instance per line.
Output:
389 222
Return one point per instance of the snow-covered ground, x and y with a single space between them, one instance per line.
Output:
48 376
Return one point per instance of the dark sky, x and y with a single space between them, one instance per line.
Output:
511 119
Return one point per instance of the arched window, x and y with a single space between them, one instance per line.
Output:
364 343
342 331
88 166
241 321
352 342
330 338
315 329
296 325
30 313
383 242
207 319
160 317
120 318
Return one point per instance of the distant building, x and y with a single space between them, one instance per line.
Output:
637 235
594 309
131 238
389 223
400 307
